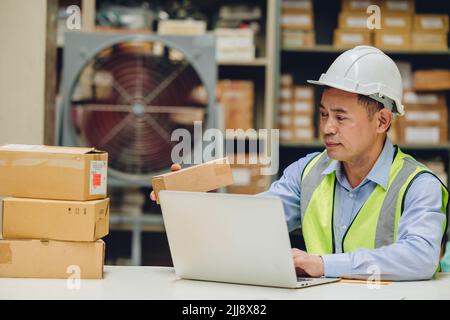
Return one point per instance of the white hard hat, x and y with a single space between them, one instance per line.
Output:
368 71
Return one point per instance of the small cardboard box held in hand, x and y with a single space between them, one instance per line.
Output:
201 178
47 172
25 218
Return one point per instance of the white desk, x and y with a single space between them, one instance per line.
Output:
161 283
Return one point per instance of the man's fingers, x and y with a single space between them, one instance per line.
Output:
175 167
153 196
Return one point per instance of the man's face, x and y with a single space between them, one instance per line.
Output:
345 126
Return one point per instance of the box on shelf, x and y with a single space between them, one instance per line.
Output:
235 44
429 40
431 22
51 259
286 79
48 172
181 27
349 38
298 5
395 21
357 5
424 124
353 20
397 6
297 19
298 39
303 92
25 218
392 40
202 177
434 79
237 99
416 98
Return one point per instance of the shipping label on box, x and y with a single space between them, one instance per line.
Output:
51 259
392 40
303 93
203 177
304 106
48 172
25 218
429 40
398 6
297 20
431 22
353 21
357 5
351 38
396 21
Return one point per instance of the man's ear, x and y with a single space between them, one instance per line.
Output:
384 120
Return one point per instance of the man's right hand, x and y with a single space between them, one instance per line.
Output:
174 167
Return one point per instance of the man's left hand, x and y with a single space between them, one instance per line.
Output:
307 264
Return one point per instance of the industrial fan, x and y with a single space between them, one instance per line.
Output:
126 93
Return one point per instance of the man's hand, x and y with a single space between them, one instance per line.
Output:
174 167
307 264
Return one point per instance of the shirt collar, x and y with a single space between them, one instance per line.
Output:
380 170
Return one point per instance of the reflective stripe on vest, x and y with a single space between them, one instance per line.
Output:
375 224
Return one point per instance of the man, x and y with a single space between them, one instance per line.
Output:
364 207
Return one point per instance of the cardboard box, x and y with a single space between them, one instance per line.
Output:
431 22
296 134
305 92
437 79
397 6
47 172
429 40
237 99
425 99
286 79
357 5
424 124
182 27
51 259
25 218
393 40
286 93
203 177
353 20
298 5
396 21
298 39
298 20
345 38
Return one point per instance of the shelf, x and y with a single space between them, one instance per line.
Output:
257 62
318 144
331 49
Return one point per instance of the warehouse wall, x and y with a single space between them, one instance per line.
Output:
22 70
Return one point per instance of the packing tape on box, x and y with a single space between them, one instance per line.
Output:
74 163
5 253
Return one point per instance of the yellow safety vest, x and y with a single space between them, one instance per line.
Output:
375 224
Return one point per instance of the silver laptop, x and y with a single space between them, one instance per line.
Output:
230 238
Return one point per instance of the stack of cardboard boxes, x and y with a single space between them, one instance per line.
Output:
352 25
297 24
400 28
425 120
296 111
237 99
56 211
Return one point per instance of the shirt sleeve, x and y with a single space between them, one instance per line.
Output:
287 188
415 255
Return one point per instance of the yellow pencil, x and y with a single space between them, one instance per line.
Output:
365 281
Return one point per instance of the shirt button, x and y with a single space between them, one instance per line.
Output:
344 227
350 195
